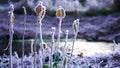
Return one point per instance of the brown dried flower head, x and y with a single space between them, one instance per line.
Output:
60 13
40 10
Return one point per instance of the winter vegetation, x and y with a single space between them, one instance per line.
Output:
54 54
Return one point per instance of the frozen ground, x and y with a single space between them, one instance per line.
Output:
95 55
91 48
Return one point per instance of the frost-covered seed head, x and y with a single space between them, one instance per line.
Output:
60 13
40 10
12 17
76 25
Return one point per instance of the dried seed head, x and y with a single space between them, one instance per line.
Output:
12 17
42 13
76 25
40 10
60 13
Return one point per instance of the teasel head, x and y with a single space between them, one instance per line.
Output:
60 12
40 10
12 17
76 26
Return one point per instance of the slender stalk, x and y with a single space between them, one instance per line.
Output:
66 40
73 45
41 43
35 52
40 30
51 58
11 25
59 32
10 43
64 51
23 40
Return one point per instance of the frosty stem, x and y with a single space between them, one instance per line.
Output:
73 45
10 39
10 43
64 52
23 41
35 52
66 40
53 33
59 32
41 42
40 29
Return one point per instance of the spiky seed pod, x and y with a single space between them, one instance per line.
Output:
40 10
60 13
76 25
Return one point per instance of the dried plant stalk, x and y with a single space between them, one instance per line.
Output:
11 25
